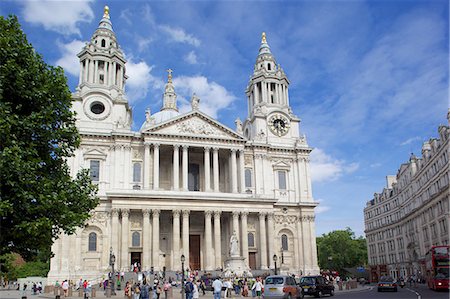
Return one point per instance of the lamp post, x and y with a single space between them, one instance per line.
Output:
112 260
182 276
330 262
275 258
282 255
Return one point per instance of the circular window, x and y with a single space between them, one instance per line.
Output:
97 108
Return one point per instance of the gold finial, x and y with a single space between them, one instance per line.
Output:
169 77
263 39
106 12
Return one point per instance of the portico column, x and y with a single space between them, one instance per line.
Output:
262 240
233 171
208 241
176 240
156 166
306 246
156 213
242 171
96 71
115 230
185 167
312 228
125 228
216 168
207 171
236 225
146 166
217 238
271 238
80 80
244 236
86 71
186 236
176 167
146 237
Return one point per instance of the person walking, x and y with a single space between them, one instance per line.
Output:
145 290
195 293
166 289
217 288
258 287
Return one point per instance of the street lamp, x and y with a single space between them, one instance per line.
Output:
182 276
112 260
330 261
275 258
282 255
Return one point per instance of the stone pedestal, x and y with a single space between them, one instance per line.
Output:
236 266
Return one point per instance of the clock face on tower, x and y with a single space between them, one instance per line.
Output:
279 124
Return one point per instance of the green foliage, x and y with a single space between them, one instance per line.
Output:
39 198
12 270
340 249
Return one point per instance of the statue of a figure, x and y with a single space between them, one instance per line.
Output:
234 250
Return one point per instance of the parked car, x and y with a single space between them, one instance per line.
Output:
316 286
387 283
281 287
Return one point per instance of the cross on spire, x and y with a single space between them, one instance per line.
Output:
169 77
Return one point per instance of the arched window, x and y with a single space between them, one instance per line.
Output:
268 67
248 178
136 172
92 246
136 239
251 240
284 242
103 43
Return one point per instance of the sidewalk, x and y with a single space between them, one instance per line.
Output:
13 294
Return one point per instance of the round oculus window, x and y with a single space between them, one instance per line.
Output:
97 108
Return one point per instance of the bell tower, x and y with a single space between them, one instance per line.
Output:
270 118
99 99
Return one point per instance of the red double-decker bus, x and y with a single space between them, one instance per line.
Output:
437 265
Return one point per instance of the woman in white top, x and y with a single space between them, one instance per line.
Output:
195 293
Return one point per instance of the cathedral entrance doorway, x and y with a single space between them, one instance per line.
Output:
136 258
252 260
194 252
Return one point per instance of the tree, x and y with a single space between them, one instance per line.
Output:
39 198
340 249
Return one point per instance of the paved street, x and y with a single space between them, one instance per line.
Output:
421 292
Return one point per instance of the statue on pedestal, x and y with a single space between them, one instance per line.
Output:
234 248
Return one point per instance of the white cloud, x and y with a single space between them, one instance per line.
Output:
321 208
410 140
325 168
191 58
178 35
69 60
60 16
126 15
140 80
213 96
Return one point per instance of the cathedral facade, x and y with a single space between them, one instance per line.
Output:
185 183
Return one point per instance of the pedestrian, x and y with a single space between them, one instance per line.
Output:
217 288
65 287
145 290
245 288
136 291
188 288
258 287
167 287
195 293
127 290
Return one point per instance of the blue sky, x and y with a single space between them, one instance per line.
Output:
369 79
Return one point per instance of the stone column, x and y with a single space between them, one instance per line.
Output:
176 241
96 71
208 241
207 170
233 171
312 228
155 261
306 246
156 166
296 247
236 225
186 236
271 238
216 168
185 167
86 70
176 167
217 238
264 91
115 230
262 240
146 237
125 229
242 171
111 159
259 178
146 166
80 79
128 166
244 236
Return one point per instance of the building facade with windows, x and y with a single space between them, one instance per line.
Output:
184 182
412 213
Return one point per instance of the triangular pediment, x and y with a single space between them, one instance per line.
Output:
194 124
94 154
